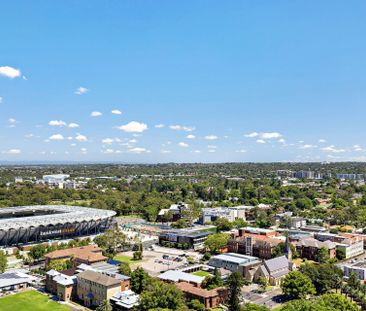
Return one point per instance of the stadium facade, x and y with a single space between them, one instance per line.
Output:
40 223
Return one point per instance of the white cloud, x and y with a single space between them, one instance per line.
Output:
322 141
57 123
81 90
182 128
1 100
81 138
212 150
241 151
13 151
357 148
196 151
260 141
107 141
282 141
108 151
190 136
133 127
116 111
9 72
333 149
132 141
56 137
182 144
12 122
159 126
270 135
165 151
138 150
211 137
211 147
307 146
96 114
73 125
251 135
83 150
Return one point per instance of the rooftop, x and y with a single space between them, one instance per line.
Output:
179 276
98 278
89 253
44 215
235 258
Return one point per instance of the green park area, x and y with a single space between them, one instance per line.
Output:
126 259
30 300
201 273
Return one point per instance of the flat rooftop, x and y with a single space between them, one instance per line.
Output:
235 258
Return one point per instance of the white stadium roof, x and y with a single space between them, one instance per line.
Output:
63 214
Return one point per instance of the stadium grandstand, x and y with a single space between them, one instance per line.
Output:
33 224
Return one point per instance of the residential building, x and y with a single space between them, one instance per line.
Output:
309 247
244 264
274 270
253 245
61 285
210 298
94 287
89 254
183 238
230 213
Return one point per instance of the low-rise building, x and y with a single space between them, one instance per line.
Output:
309 247
16 280
89 254
61 285
210 298
230 213
359 268
177 276
245 265
183 238
123 301
274 270
94 287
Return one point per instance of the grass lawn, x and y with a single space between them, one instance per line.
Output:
30 300
126 259
201 273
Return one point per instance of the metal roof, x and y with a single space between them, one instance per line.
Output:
65 214
176 276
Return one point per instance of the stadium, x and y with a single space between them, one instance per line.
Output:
32 224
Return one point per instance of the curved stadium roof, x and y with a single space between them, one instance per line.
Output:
63 214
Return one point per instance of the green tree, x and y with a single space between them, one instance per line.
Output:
124 269
137 255
325 277
216 241
111 241
234 284
57 265
3 262
341 253
37 252
223 224
139 280
354 281
297 285
322 255
335 302
160 295
104 306
253 307
197 305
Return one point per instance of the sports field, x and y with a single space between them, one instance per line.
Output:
30 301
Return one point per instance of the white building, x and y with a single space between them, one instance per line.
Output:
55 179
230 213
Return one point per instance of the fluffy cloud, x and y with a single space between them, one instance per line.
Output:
241 151
138 150
260 141
56 137
12 122
190 136
322 141
333 149
182 144
252 135
96 114
9 72
133 127
107 141
57 123
81 138
264 135
1 100
159 126
116 111
73 125
165 151
307 146
211 137
182 128
357 148
13 151
81 90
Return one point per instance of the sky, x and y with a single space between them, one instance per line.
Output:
182 81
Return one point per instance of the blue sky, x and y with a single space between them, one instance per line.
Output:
188 81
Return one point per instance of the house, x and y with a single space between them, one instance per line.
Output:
15 280
94 287
308 248
245 265
210 298
61 285
253 245
77 255
274 270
